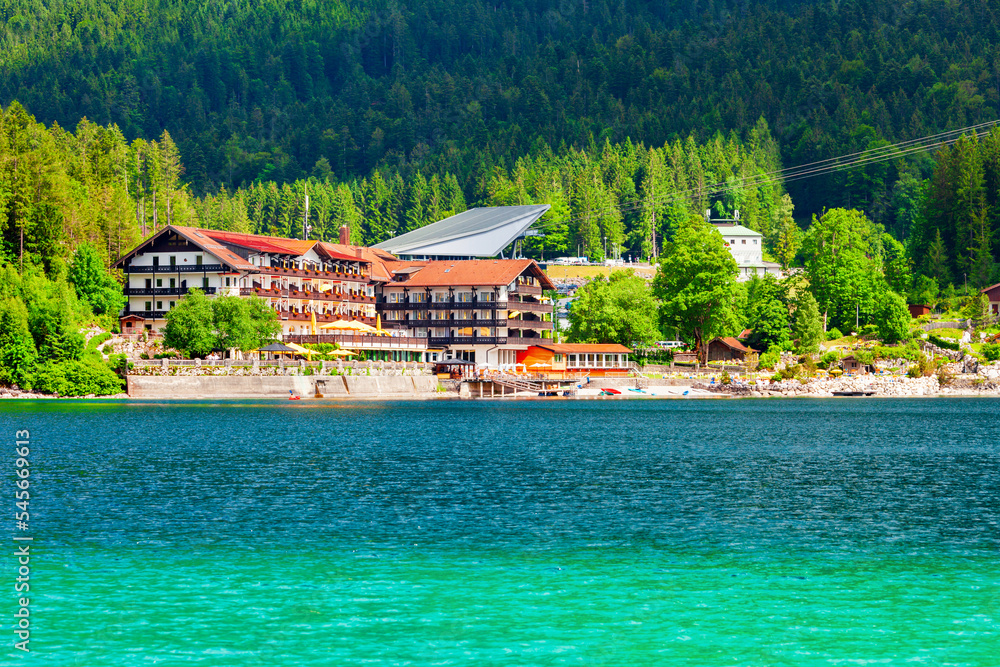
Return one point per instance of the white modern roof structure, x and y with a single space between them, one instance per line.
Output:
478 232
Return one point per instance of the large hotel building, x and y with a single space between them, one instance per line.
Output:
480 310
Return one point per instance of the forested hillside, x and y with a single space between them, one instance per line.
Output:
284 89
59 189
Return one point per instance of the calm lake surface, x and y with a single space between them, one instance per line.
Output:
639 532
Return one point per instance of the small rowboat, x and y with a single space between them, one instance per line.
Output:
609 391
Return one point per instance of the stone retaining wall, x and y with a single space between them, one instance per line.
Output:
257 386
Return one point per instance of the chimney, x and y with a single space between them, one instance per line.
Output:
345 235
357 251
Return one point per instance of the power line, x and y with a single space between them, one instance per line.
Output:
799 172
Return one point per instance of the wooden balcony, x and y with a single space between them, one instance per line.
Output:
529 306
534 325
165 291
361 277
358 341
525 289
178 268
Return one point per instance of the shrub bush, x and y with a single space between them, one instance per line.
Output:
769 359
991 351
834 334
943 343
830 357
725 378
77 378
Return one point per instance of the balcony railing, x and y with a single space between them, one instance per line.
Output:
525 289
530 306
313 273
537 325
467 340
444 305
165 291
147 314
360 341
177 268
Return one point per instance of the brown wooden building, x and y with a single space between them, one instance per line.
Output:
727 349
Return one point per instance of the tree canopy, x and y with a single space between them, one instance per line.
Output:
696 284
617 309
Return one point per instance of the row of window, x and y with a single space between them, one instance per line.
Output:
173 260
440 297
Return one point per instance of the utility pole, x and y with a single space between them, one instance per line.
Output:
305 218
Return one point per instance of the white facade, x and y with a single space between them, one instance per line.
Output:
747 248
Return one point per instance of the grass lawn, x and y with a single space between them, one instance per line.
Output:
955 334
843 341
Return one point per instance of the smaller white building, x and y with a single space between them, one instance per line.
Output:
747 248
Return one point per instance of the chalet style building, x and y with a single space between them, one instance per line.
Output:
300 280
480 310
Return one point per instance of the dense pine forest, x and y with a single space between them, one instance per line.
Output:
392 116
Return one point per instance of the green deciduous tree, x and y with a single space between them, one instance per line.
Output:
190 326
618 309
93 284
696 284
893 320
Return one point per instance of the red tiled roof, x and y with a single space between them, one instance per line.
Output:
585 348
493 272
200 240
732 343
989 289
377 258
272 244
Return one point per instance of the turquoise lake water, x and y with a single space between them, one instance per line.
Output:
639 532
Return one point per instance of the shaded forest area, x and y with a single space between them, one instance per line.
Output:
285 89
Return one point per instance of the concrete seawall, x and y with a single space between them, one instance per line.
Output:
337 386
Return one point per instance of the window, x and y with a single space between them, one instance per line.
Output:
755 241
197 260
395 297
463 315
464 297
159 305
156 260
440 333
744 241
173 260
487 331
149 305
227 282
489 297
463 331
557 358
418 297
422 332
149 283
173 282
204 282
159 282
172 303
440 297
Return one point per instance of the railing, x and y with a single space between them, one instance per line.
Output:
535 325
146 314
177 268
525 289
525 340
312 273
530 306
468 340
444 305
305 316
360 341
313 295
165 291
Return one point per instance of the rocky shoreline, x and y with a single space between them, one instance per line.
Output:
957 380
